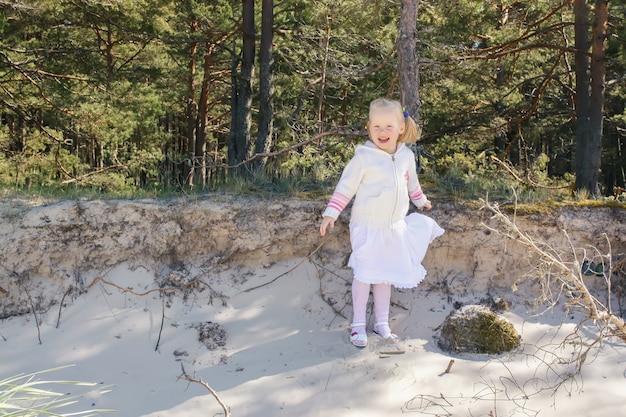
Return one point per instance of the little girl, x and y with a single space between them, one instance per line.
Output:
387 245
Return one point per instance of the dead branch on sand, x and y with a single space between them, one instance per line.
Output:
559 276
205 385
163 290
325 297
289 271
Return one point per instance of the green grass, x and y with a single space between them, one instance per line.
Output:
27 395
454 185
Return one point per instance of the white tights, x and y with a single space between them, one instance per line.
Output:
382 299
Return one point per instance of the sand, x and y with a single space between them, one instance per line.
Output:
131 327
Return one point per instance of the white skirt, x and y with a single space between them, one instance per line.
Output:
392 255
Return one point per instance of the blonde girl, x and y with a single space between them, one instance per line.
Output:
387 245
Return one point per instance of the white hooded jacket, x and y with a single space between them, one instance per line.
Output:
381 184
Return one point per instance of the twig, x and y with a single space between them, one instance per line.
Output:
323 296
126 289
213 293
398 305
287 272
186 285
330 374
156 348
447 371
32 306
69 290
392 352
528 180
92 173
141 294
568 276
205 385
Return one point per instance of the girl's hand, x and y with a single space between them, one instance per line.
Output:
327 221
427 206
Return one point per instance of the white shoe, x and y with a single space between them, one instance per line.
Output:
358 339
389 336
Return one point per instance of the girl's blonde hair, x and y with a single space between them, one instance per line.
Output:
412 131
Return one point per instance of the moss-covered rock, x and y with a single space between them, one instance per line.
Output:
477 329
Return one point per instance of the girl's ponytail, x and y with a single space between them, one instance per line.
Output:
412 131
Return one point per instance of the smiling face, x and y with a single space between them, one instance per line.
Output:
384 128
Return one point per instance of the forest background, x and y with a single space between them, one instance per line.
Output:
141 97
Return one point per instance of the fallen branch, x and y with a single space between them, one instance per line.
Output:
126 289
32 306
568 274
205 385
392 352
90 174
323 296
156 347
191 283
287 272
69 290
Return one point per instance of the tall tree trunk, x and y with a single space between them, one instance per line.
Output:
322 92
266 85
598 78
234 82
200 177
583 103
241 123
191 112
408 65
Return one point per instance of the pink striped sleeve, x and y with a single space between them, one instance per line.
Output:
416 194
338 201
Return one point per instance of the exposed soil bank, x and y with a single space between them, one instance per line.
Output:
51 251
